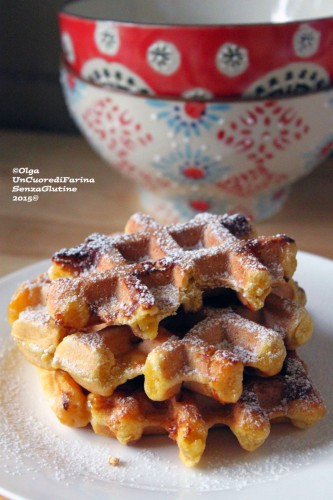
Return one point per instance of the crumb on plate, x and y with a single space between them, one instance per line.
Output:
114 461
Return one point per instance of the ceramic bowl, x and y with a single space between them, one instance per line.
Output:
201 49
192 156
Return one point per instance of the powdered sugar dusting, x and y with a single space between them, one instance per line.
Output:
36 443
37 315
209 251
37 450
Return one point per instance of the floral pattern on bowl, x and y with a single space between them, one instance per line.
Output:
205 155
230 59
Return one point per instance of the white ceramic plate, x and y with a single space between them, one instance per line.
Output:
42 459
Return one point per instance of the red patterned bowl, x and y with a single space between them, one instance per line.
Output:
220 156
201 48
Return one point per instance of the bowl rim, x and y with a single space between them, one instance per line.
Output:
142 24
64 65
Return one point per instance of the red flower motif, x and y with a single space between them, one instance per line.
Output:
115 127
200 205
252 181
193 172
195 109
263 130
146 179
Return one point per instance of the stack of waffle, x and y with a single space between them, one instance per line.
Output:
171 329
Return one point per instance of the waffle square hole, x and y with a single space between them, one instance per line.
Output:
188 238
135 250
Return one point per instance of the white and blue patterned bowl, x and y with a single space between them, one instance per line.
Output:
192 156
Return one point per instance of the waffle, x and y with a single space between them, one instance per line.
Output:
208 352
67 399
35 333
29 294
144 276
210 358
172 329
285 316
101 361
129 413
290 290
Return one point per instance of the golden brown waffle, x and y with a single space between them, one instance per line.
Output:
101 361
202 357
29 294
67 399
128 413
35 333
283 315
290 290
124 334
140 278
210 358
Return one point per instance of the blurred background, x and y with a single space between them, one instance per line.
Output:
29 66
36 132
